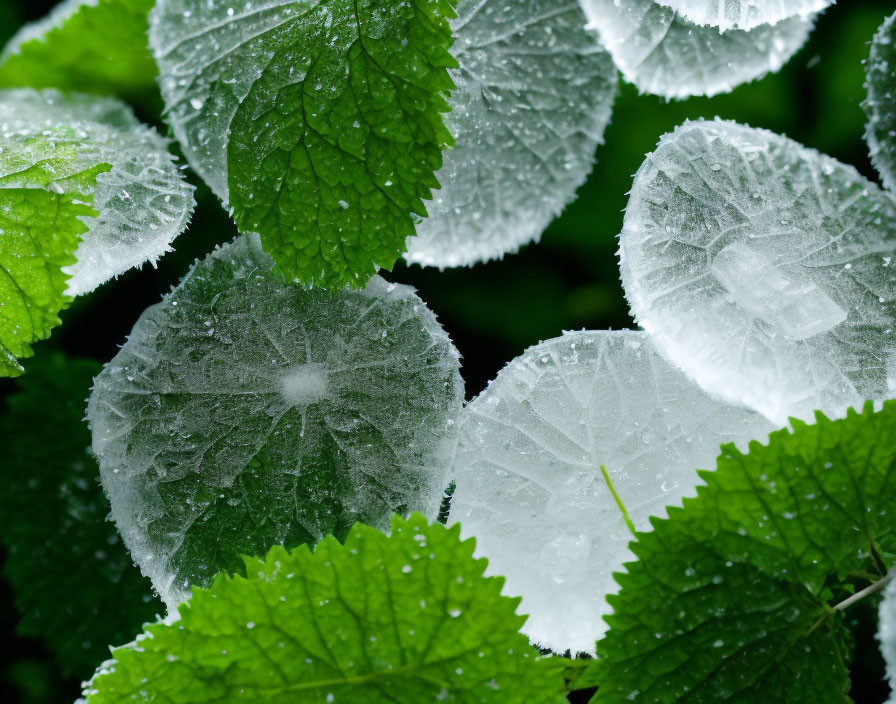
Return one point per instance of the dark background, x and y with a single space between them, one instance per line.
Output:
494 311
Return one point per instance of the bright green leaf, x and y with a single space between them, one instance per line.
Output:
403 619
74 582
96 46
733 595
86 193
320 123
880 107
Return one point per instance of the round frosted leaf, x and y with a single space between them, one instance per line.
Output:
743 14
245 411
533 97
143 202
319 123
881 104
664 54
764 270
887 635
530 487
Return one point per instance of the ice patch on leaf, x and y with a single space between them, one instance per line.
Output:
763 270
143 201
664 54
530 487
533 97
744 14
245 411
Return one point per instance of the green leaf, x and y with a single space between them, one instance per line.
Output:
86 193
732 597
320 123
96 46
74 582
880 107
246 411
403 619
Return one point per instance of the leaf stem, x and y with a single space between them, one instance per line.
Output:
616 497
866 592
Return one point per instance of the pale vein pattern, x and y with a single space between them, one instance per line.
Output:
528 469
887 635
881 103
743 14
534 94
764 270
144 203
664 54
207 69
245 411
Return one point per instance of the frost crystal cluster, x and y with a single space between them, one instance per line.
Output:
764 270
663 52
245 411
533 96
887 635
143 201
530 483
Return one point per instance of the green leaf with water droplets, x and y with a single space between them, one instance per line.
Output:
400 619
733 596
320 123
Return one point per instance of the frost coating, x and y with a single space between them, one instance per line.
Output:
669 56
534 94
764 270
201 93
887 635
881 104
743 14
144 203
245 412
528 469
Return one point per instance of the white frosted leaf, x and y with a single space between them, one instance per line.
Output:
245 411
534 94
887 635
881 103
528 469
143 201
764 270
744 14
664 54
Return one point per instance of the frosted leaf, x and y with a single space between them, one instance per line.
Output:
744 14
881 104
143 200
201 94
533 97
887 635
669 56
245 411
764 270
528 469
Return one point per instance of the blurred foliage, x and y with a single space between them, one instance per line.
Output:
494 311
